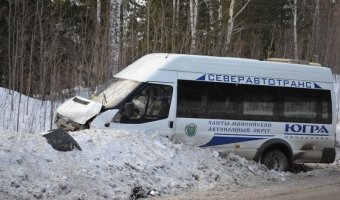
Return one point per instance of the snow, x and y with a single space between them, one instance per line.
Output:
111 163
29 116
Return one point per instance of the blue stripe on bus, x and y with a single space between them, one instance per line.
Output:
218 140
223 134
304 134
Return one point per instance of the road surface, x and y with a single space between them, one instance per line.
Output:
318 184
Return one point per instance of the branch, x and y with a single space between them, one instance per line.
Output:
245 5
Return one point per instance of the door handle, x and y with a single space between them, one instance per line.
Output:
171 124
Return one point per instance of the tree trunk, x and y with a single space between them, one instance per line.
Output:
114 34
148 29
97 35
220 14
314 43
230 25
174 14
231 21
296 57
10 84
193 23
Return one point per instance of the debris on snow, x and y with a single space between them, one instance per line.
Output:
60 140
138 192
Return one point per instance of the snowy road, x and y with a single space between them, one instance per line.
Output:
314 185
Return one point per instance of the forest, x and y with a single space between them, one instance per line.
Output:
48 46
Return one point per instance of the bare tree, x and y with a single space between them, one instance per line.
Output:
315 34
148 28
220 14
193 24
9 24
175 6
296 57
98 30
114 34
231 21
230 25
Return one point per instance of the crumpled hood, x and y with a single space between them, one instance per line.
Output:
79 109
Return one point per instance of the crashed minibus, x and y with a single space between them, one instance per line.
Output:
272 112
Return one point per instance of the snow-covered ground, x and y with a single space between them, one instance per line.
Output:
29 116
111 163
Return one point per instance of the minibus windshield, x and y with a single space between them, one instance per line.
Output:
111 93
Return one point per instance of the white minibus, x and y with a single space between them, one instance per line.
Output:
272 112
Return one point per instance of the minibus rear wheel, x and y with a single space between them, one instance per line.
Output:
275 160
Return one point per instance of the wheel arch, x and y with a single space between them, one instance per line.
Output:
276 143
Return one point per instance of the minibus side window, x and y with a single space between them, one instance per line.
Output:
300 107
149 104
325 109
222 101
207 100
306 105
192 99
212 100
258 102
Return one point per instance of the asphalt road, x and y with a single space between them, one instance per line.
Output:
323 184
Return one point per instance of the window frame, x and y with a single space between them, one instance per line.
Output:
119 118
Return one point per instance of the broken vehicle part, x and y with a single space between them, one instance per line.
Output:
60 140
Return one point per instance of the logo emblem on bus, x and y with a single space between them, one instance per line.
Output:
190 129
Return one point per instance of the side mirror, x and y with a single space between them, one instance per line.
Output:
128 109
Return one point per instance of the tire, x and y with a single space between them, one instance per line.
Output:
275 160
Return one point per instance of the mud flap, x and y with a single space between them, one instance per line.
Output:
328 155
60 140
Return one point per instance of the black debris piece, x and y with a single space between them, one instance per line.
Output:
60 140
138 192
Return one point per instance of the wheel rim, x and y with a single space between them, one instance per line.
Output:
274 162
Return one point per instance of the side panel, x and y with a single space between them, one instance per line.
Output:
242 136
245 137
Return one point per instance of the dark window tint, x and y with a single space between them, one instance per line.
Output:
211 100
192 100
206 100
257 102
222 101
305 105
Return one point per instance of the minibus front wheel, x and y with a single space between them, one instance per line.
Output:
275 160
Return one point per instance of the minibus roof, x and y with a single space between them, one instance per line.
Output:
162 67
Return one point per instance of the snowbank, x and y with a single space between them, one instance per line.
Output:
20 113
112 163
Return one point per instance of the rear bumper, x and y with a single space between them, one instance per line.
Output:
328 155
